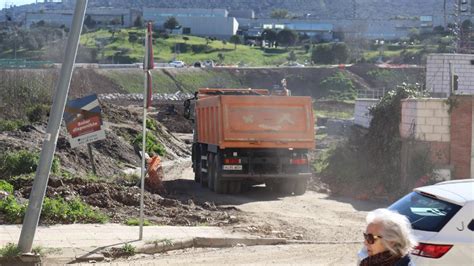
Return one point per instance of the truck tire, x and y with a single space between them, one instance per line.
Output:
196 164
220 186
204 175
301 186
286 187
235 187
211 171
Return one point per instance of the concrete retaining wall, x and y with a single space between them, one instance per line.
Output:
361 111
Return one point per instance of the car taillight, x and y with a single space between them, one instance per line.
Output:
431 250
298 161
232 161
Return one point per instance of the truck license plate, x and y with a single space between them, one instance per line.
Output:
232 167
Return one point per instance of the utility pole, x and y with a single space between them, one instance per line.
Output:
30 222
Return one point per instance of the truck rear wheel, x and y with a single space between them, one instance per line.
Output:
286 187
211 171
235 187
220 186
301 186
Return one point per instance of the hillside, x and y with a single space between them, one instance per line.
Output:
120 47
326 9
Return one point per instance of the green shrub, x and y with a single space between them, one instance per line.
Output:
13 211
23 162
37 112
152 144
337 87
10 125
5 186
374 158
135 221
9 251
54 211
128 250
71 211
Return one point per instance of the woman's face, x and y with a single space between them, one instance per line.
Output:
376 247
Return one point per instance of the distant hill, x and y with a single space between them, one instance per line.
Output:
322 9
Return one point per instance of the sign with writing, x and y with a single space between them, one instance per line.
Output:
83 120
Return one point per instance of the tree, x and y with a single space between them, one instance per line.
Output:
322 54
235 39
269 36
292 56
171 23
224 42
340 52
30 43
138 22
89 22
132 37
185 39
336 53
279 14
287 37
221 57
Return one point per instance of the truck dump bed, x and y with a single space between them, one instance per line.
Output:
248 121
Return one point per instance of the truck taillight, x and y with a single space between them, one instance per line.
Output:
431 250
300 161
232 161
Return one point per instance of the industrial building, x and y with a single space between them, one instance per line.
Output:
103 16
199 22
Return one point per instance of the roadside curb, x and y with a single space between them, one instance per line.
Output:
203 242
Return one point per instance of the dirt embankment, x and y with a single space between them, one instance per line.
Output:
302 81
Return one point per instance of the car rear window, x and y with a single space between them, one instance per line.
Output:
425 213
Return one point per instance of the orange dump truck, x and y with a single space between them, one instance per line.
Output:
244 137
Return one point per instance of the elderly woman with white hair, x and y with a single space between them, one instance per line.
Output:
388 239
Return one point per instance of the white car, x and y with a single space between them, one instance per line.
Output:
177 64
442 217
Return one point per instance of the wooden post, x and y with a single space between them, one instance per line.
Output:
89 147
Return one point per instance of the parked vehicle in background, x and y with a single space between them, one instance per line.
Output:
247 136
177 64
442 218
209 63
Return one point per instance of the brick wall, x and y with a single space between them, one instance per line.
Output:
438 73
461 137
425 120
361 111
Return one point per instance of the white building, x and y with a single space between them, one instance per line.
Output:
199 22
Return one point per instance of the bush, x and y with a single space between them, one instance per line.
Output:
12 210
54 211
22 162
335 53
135 222
372 159
201 48
37 112
337 87
10 125
152 144
9 251
5 186
71 211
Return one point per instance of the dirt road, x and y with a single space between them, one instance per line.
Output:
336 223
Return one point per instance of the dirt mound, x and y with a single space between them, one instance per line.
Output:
111 155
121 202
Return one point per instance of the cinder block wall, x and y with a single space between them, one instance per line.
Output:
425 119
438 73
361 111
